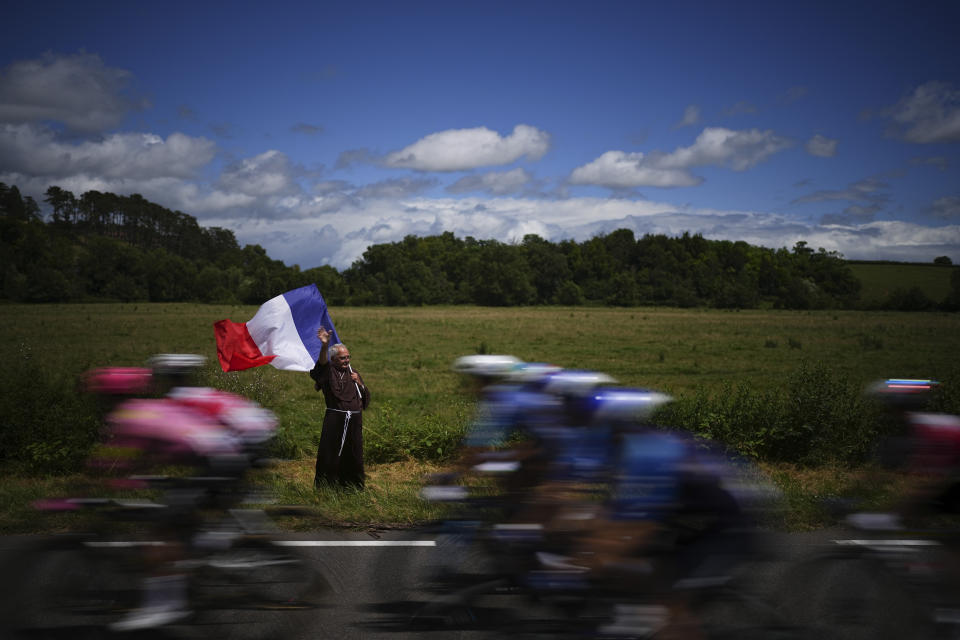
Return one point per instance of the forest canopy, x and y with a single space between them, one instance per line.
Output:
103 246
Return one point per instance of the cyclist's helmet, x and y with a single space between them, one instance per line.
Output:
905 394
620 406
173 370
575 390
486 366
575 382
176 364
532 374
118 381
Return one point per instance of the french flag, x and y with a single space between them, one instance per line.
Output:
283 333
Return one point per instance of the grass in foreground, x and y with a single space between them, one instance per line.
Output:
391 498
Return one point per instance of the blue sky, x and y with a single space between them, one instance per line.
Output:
318 128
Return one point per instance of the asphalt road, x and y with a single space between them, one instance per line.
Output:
368 577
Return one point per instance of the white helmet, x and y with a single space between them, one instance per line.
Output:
532 372
176 363
486 365
571 382
623 404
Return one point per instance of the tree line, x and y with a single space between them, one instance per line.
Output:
103 246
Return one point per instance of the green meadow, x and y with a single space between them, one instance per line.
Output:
880 280
420 408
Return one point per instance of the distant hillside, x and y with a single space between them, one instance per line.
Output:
881 280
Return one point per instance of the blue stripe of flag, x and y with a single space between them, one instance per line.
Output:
309 311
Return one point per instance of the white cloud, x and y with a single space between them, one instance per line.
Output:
893 239
931 114
495 183
821 146
32 150
347 232
266 174
462 149
716 146
621 170
737 150
78 91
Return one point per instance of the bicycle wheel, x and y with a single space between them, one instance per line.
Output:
63 589
257 590
454 585
852 596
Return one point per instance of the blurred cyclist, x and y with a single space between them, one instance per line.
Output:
215 435
923 443
675 512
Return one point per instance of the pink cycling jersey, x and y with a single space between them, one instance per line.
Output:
936 443
247 421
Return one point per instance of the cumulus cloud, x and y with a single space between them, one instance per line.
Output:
715 146
931 114
267 174
33 150
893 239
463 149
737 150
622 170
496 183
350 230
691 116
78 91
821 146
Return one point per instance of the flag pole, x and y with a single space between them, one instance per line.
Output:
357 385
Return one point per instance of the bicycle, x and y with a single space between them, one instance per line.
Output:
516 579
888 584
239 576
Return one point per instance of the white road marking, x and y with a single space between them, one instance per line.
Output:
355 543
282 543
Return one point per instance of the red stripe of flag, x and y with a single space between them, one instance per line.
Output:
236 350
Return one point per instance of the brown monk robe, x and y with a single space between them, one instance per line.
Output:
340 454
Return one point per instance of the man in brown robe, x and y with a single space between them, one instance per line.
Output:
340 454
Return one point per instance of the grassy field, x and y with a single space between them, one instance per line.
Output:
405 354
878 281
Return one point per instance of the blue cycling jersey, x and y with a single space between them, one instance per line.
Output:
507 409
648 475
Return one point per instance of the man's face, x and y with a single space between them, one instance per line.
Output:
341 360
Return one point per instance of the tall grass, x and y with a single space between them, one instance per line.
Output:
732 373
819 417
